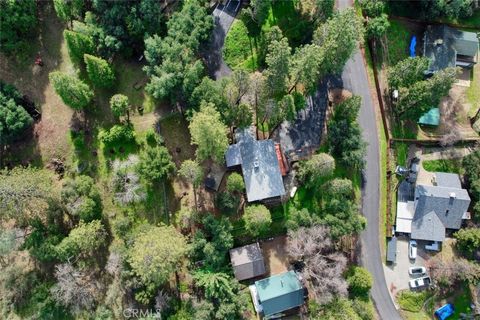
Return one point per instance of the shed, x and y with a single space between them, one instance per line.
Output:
247 261
430 118
279 293
392 250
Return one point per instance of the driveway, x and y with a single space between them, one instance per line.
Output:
396 275
301 137
224 15
355 79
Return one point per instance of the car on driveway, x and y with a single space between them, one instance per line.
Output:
420 282
417 271
412 249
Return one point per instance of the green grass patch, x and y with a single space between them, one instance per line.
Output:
412 301
286 15
174 130
240 50
398 38
462 303
401 153
443 165
473 92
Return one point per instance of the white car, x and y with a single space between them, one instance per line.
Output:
412 249
419 282
417 271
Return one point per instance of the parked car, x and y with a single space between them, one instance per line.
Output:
412 249
420 282
417 271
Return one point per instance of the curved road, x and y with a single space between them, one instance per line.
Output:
355 79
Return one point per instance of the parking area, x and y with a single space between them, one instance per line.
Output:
396 275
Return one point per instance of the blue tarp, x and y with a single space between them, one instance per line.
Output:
445 311
413 43
430 118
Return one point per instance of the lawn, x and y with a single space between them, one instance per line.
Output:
443 165
174 130
401 153
473 92
240 50
398 38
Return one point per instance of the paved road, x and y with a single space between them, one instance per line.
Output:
355 79
224 16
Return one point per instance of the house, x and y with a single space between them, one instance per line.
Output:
449 47
247 261
427 212
260 166
277 294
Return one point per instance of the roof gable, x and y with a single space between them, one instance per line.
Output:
247 261
428 227
280 292
448 204
260 167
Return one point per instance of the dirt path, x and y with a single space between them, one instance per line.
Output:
50 135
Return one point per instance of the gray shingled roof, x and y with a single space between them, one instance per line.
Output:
438 208
453 42
449 180
428 227
247 261
233 156
260 168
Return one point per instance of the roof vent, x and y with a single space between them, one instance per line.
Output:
438 42
453 195
256 164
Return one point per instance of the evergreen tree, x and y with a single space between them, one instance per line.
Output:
99 71
73 92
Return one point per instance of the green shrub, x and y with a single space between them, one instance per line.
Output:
78 140
117 134
364 308
412 301
359 281
235 183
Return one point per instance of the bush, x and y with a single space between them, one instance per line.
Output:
257 219
364 308
468 240
412 301
359 281
118 135
227 203
78 140
235 183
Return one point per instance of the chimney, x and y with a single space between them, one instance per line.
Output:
452 195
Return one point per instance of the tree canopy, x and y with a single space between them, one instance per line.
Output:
318 166
155 164
257 219
18 20
120 106
13 119
99 71
73 92
209 134
156 253
344 134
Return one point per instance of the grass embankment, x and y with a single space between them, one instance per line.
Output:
398 38
443 165
473 92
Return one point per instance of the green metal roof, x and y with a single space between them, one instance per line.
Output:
279 293
430 118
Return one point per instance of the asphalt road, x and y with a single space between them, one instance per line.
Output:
354 78
224 16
